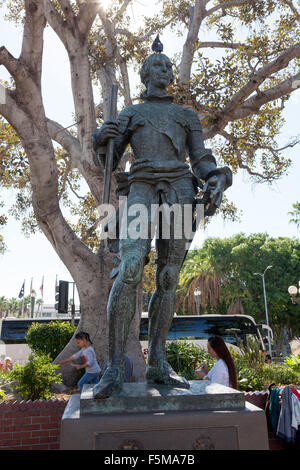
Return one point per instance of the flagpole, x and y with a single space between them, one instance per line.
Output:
23 300
55 292
42 290
31 299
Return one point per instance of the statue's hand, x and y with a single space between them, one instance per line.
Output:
213 189
107 131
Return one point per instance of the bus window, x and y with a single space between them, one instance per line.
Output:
237 330
144 330
234 330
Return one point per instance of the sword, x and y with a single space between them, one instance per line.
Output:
110 147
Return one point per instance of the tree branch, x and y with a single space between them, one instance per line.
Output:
13 113
68 11
197 14
253 104
55 20
234 142
121 11
86 16
11 64
256 80
290 4
65 139
32 45
225 45
225 5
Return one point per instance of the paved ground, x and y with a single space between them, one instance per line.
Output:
18 352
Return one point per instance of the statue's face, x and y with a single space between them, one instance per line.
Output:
160 72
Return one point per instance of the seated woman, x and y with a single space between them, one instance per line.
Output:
223 372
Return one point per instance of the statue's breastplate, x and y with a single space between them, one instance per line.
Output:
158 131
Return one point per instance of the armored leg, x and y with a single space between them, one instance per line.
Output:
170 254
120 312
161 311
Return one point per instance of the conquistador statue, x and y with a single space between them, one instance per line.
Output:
161 135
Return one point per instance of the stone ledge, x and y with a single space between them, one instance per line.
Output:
141 397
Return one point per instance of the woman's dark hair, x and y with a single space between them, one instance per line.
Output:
83 335
218 345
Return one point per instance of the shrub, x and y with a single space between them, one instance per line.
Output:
2 395
35 378
253 374
49 338
280 375
5 377
183 358
293 362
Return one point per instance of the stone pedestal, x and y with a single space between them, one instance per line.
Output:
207 416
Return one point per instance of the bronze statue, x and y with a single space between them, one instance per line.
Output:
160 134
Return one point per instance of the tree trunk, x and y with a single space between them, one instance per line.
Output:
93 295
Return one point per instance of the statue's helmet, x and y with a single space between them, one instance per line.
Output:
157 47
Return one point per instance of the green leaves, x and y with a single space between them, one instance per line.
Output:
184 357
49 338
35 378
293 362
295 214
231 262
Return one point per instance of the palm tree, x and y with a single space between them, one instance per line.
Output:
198 272
3 305
39 303
27 302
295 213
13 305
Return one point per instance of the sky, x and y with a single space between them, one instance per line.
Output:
264 208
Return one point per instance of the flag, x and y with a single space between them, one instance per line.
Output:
21 294
42 288
32 291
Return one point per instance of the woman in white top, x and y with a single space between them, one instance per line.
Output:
223 372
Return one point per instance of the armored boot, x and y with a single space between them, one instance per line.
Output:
111 382
159 370
121 309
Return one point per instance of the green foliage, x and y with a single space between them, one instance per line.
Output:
49 338
35 378
184 357
234 260
5 377
295 214
2 395
254 374
280 375
293 362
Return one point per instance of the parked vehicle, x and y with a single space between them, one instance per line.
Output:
236 330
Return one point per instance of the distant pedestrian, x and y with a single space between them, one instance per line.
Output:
89 360
223 372
7 366
2 358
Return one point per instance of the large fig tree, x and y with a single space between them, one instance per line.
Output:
239 93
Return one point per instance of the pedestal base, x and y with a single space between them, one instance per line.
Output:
85 427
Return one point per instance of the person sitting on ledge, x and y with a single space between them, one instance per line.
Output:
223 372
